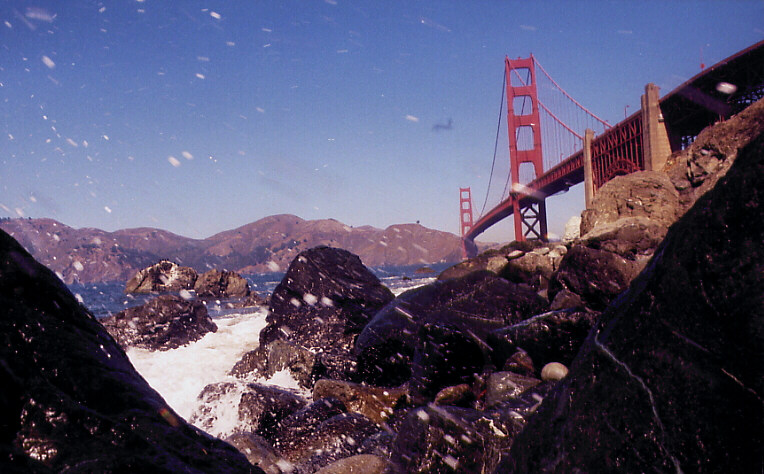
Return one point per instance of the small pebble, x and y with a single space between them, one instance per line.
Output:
553 372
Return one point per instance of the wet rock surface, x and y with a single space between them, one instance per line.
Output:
163 323
440 325
165 276
596 276
71 400
326 297
668 382
221 284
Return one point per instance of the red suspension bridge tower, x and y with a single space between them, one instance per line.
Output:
530 217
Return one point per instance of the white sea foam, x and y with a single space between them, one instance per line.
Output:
179 375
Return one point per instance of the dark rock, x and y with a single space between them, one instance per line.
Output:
298 360
252 299
466 309
326 297
375 403
163 323
520 363
450 439
548 337
503 386
445 356
566 299
670 379
458 395
597 276
221 284
253 362
165 276
71 400
289 434
339 437
493 260
534 268
263 406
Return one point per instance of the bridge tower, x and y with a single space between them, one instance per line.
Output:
465 220
524 127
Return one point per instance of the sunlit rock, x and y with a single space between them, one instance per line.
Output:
165 276
375 403
221 284
365 463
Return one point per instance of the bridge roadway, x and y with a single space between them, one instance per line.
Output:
686 110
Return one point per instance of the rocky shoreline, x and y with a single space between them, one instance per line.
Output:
637 347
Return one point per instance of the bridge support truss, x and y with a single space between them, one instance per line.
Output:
529 214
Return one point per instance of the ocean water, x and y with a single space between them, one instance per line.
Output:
179 375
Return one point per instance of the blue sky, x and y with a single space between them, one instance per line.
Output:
198 117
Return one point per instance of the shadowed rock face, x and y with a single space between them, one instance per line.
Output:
164 323
326 297
670 377
70 397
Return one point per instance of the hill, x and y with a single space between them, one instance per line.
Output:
269 244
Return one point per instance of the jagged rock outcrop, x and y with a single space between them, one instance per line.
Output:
630 214
324 300
71 401
221 284
696 170
438 328
670 378
166 322
164 276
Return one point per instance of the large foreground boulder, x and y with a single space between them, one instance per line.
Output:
670 378
165 276
164 323
70 399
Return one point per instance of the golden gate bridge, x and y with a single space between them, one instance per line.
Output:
555 142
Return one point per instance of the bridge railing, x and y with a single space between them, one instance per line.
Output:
618 151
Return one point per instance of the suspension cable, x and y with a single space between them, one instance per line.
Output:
496 142
603 122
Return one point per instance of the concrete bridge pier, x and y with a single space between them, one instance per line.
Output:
655 140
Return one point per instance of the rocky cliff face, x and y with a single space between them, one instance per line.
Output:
89 255
71 400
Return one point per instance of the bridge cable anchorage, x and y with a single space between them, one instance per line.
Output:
496 143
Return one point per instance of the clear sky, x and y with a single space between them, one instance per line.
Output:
201 116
